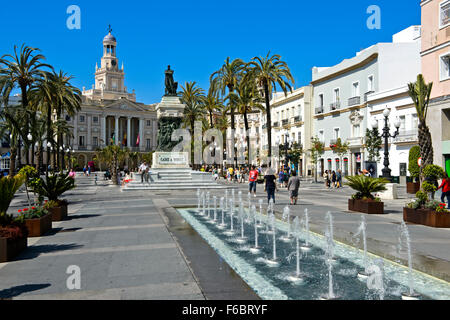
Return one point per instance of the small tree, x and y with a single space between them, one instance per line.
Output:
340 148
373 144
295 153
413 166
317 149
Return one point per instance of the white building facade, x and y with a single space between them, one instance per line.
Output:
342 93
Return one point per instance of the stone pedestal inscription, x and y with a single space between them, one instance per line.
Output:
164 160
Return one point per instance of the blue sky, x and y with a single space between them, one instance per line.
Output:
196 36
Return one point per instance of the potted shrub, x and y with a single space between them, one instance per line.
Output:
413 167
52 188
13 233
57 209
363 200
37 220
424 209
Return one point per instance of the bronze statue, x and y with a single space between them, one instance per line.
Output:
171 86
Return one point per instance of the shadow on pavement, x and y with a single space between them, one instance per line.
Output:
82 216
35 251
18 290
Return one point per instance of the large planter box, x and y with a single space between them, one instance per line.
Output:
9 249
427 217
40 226
58 213
412 187
364 206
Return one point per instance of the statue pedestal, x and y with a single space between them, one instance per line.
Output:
170 160
170 106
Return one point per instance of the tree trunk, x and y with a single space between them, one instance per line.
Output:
269 118
211 119
12 161
426 148
247 135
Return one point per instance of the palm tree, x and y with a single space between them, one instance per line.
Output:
420 93
12 128
54 93
21 69
68 100
192 97
267 73
212 101
228 77
246 99
112 155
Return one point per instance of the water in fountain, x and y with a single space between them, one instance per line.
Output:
215 209
230 232
296 278
256 248
306 246
208 195
260 224
198 200
268 215
274 261
329 253
242 238
404 234
222 225
362 231
375 277
202 213
226 199
287 217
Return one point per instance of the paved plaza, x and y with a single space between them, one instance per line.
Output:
134 245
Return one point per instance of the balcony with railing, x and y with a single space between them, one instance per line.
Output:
335 105
333 143
407 136
264 126
355 141
354 101
276 124
298 119
285 122
366 94
319 110
82 148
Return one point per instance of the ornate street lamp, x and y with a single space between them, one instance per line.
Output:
386 135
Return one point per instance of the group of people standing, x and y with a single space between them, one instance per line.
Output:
332 179
270 185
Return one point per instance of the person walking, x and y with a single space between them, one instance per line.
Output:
445 185
293 186
270 185
285 178
72 174
325 178
280 177
84 170
339 178
333 179
252 178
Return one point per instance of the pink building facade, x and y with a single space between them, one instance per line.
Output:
435 56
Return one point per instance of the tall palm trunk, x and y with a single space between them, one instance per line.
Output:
23 89
247 134
269 119
426 147
211 120
12 161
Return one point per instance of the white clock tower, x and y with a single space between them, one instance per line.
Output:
109 79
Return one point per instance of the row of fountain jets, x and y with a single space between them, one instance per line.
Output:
373 273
